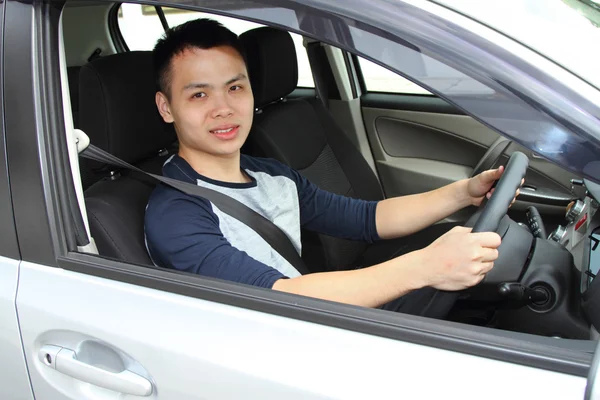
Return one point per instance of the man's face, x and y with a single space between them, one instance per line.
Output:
211 100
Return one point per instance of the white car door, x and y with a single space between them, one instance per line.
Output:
95 328
14 380
90 337
592 391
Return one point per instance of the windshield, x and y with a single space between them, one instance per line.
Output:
565 31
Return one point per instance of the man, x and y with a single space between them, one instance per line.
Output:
204 90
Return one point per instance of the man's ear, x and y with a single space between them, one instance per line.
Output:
162 103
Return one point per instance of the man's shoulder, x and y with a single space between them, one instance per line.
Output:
165 201
163 195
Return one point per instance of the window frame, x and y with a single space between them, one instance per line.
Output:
47 169
114 30
9 246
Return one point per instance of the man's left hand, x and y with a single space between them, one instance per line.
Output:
480 186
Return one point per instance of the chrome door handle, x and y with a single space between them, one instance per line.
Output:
65 361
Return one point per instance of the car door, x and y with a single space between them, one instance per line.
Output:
98 328
420 142
592 391
14 379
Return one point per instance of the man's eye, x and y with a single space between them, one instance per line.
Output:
235 88
199 95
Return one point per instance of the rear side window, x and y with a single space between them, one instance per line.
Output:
141 28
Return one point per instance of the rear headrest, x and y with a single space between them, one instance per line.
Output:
272 64
117 109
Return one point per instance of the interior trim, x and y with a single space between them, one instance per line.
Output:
408 102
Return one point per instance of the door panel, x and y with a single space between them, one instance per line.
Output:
14 379
195 349
416 141
416 171
417 151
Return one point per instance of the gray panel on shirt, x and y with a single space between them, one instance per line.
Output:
275 198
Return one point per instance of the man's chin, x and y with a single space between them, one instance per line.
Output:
215 148
227 150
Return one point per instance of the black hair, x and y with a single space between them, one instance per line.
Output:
201 33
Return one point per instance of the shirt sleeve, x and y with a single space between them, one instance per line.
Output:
184 234
335 215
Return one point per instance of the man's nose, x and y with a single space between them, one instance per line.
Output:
222 108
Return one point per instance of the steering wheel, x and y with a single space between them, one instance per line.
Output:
490 213
491 156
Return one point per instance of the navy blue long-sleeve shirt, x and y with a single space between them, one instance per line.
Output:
190 233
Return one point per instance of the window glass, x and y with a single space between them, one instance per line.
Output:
379 79
141 28
428 71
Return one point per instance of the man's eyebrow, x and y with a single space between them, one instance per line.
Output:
196 85
199 85
236 78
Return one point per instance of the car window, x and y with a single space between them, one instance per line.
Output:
108 264
141 28
379 79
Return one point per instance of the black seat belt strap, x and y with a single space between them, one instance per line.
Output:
270 232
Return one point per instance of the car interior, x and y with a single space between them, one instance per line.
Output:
347 134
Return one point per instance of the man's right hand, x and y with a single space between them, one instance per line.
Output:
459 259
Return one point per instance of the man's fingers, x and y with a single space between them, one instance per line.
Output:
489 255
487 239
462 229
487 267
491 175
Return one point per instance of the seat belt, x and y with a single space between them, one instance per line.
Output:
270 232
315 51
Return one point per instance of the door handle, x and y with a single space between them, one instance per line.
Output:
65 361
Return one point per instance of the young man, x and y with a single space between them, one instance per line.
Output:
204 90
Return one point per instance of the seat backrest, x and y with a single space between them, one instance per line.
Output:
118 112
303 135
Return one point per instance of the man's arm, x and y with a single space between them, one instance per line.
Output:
455 261
402 216
405 215
368 287
182 232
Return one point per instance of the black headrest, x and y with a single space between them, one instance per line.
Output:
272 63
117 109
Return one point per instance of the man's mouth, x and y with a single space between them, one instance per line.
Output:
226 132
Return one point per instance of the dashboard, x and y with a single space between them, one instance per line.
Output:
581 237
556 293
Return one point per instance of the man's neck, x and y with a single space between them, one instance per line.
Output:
220 168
